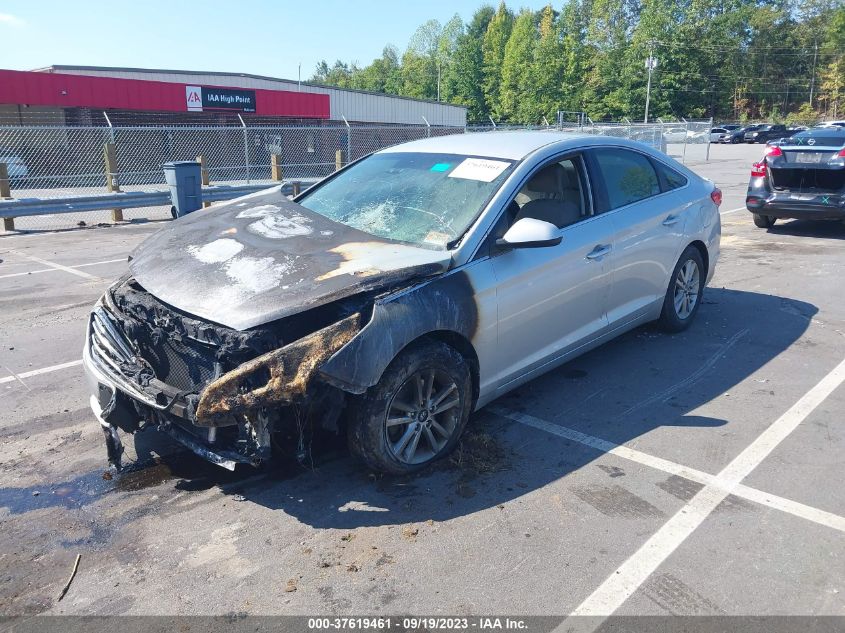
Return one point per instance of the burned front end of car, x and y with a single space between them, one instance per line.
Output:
221 392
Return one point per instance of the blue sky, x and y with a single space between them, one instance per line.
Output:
264 38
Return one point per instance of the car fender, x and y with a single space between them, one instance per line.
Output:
446 303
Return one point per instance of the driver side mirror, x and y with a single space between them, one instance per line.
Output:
530 233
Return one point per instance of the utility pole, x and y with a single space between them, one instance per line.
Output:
813 80
650 64
439 62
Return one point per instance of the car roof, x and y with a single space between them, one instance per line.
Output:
512 145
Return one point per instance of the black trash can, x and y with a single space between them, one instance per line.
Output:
185 182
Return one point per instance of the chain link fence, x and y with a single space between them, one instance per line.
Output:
59 162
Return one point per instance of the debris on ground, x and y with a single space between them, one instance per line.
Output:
409 531
478 452
290 586
107 475
353 567
70 580
347 537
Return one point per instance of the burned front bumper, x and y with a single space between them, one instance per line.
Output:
227 420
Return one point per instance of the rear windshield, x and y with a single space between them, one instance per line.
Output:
818 138
424 199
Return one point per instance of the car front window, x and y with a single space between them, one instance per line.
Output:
419 198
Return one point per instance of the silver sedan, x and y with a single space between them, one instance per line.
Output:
396 296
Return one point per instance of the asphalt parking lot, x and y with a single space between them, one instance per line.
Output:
689 474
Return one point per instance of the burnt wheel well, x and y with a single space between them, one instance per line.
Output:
460 344
705 256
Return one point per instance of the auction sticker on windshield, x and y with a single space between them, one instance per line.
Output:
479 169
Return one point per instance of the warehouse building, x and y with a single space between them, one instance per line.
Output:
80 95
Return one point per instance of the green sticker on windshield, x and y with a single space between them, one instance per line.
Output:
441 167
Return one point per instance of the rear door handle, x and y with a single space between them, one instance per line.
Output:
670 220
599 251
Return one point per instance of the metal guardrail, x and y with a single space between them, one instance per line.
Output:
26 207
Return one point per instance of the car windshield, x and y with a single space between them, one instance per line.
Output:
423 199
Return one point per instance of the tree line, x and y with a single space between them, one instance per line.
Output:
729 59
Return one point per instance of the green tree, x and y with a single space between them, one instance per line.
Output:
547 69
463 80
573 26
383 75
516 97
447 46
493 54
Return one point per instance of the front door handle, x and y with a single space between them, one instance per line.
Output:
599 251
670 220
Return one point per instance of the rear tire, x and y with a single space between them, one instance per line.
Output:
683 296
764 221
416 412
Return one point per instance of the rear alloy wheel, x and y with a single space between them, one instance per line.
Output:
416 412
683 296
763 221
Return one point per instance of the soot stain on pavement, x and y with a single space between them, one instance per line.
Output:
616 501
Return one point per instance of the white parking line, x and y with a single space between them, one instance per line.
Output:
623 582
53 269
67 269
38 372
801 510
732 211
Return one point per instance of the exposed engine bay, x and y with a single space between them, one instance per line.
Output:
221 392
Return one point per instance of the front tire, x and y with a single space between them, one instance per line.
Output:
763 221
683 297
416 413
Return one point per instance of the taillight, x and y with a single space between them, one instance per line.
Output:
774 150
716 196
758 169
841 152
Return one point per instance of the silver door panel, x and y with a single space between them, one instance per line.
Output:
551 299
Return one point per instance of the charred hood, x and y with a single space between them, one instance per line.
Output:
263 257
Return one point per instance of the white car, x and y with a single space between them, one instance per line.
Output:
677 134
719 134
398 295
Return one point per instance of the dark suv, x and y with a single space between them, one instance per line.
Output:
766 133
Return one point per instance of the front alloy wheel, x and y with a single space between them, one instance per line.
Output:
415 413
422 417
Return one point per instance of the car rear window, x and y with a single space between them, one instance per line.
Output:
819 138
628 176
670 179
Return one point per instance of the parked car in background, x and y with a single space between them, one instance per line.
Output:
677 134
801 177
396 296
827 124
719 134
738 135
766 133
15 165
